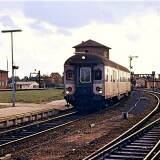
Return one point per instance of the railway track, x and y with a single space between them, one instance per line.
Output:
18 134
5 147
14 136
136 143
136 146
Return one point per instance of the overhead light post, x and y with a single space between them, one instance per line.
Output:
7 62
13 67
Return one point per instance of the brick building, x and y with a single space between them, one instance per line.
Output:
146 81
3 79
151 84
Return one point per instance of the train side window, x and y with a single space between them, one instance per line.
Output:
85 74
114 76
97 74
70 75
106 78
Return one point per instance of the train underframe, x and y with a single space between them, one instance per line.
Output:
89 103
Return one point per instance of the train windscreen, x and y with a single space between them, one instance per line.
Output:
97 74
85 74
70 75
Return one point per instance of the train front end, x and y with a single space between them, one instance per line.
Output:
84 82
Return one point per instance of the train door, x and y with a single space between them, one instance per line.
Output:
84 87
84 80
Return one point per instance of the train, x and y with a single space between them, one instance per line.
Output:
92 81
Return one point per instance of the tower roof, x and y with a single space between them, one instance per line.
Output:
90 43
3 70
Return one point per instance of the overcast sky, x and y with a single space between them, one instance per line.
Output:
51 28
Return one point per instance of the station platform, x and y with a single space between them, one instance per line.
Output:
24 112
6 109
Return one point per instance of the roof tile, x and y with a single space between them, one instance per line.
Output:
90 43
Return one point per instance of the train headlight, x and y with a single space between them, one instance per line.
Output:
83 57
68 90
100 92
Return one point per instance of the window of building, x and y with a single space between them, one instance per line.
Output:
85 74
1 83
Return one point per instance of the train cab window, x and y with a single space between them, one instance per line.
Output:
70 75
85 74
97 74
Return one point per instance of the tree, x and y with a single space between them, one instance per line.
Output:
56 78
46 81
25 79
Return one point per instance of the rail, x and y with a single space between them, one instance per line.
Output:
21 133
132 130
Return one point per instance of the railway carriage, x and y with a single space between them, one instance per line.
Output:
91 81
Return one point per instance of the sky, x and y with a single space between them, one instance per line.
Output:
51 28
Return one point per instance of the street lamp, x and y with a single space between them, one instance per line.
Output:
130 59
13 87
7 62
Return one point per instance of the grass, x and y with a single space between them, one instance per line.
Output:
32 96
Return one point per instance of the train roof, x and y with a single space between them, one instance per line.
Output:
93 58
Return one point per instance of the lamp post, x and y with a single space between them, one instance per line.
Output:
13 87
7 62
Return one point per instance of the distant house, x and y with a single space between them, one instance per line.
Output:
140 82
56 77
27 85
3 79
151 83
